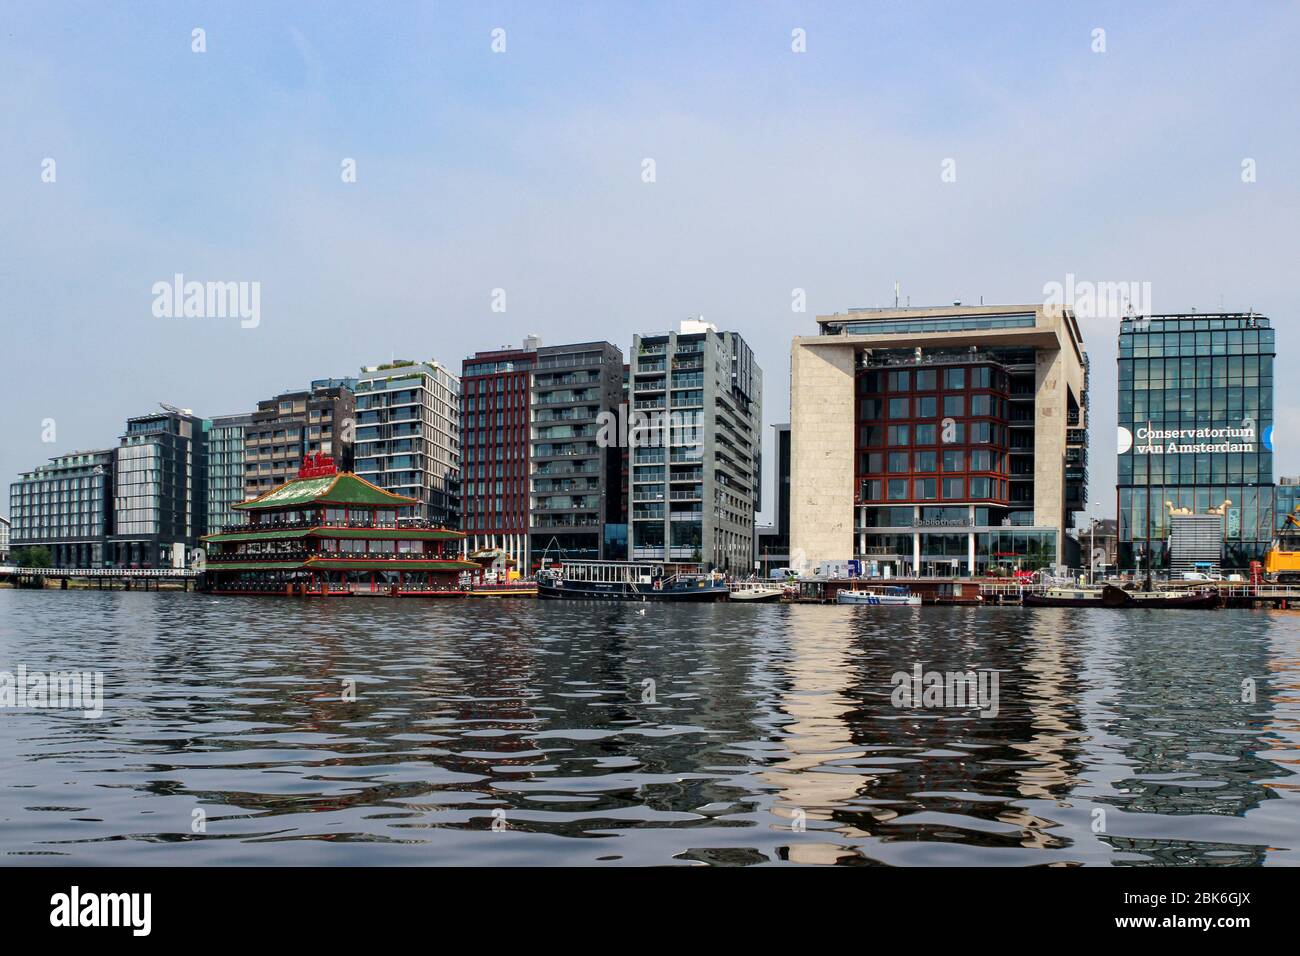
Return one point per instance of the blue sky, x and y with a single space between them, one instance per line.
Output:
522 171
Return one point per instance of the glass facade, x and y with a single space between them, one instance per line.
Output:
160 491
64 507
225 440
1195 432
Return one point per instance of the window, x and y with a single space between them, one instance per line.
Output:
981 404
897 489
898 407
927 406
898 435
900 381
981 461
953 488
979 488
898 462
954 405
954 460
925 488
926 379
925 461
925 434
954 378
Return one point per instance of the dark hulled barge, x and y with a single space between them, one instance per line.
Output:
629 581
328 533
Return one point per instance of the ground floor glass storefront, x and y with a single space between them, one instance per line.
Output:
906 552
1249 521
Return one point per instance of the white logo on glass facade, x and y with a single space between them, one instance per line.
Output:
1189 441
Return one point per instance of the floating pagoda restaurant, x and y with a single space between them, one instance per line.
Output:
330 533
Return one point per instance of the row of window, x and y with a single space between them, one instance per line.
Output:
928 406
953 433
927 379
930 489
949 460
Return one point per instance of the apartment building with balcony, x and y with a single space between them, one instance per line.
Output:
292 425
408 436
695 482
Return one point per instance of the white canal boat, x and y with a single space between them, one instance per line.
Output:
889 597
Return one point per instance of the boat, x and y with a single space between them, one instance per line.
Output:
889 597
1109 595
756 592
1112 596
629 581
1063 597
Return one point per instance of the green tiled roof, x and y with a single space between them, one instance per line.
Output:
256 566
343 488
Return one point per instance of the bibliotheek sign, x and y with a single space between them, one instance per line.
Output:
1192 441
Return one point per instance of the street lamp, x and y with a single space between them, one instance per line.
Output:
1092 546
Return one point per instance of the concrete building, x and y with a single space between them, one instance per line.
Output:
695 486
286 428
5 528
575 483
938 441
1195 435
408 435
159 491
66 507
226 436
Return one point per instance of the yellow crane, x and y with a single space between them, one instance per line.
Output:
1282 560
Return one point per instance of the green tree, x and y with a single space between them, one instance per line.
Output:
34 557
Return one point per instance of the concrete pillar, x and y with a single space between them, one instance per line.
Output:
916 553
822 448
970 551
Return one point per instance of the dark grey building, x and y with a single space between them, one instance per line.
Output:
774 539
159 491
575 477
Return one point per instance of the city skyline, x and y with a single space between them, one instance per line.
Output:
774 171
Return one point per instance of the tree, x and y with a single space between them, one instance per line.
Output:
33 557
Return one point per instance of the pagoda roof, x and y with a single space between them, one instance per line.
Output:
353 563
343 488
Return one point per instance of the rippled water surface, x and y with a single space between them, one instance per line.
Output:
525 732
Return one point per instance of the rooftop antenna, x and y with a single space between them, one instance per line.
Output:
896 291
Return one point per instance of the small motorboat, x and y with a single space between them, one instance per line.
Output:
890 597
756 591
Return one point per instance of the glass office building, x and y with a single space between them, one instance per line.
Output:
65 507
1195 432
225 440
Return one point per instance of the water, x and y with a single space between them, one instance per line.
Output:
771 739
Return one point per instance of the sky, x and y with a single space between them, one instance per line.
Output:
524 170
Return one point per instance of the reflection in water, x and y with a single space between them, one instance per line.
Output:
555 733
